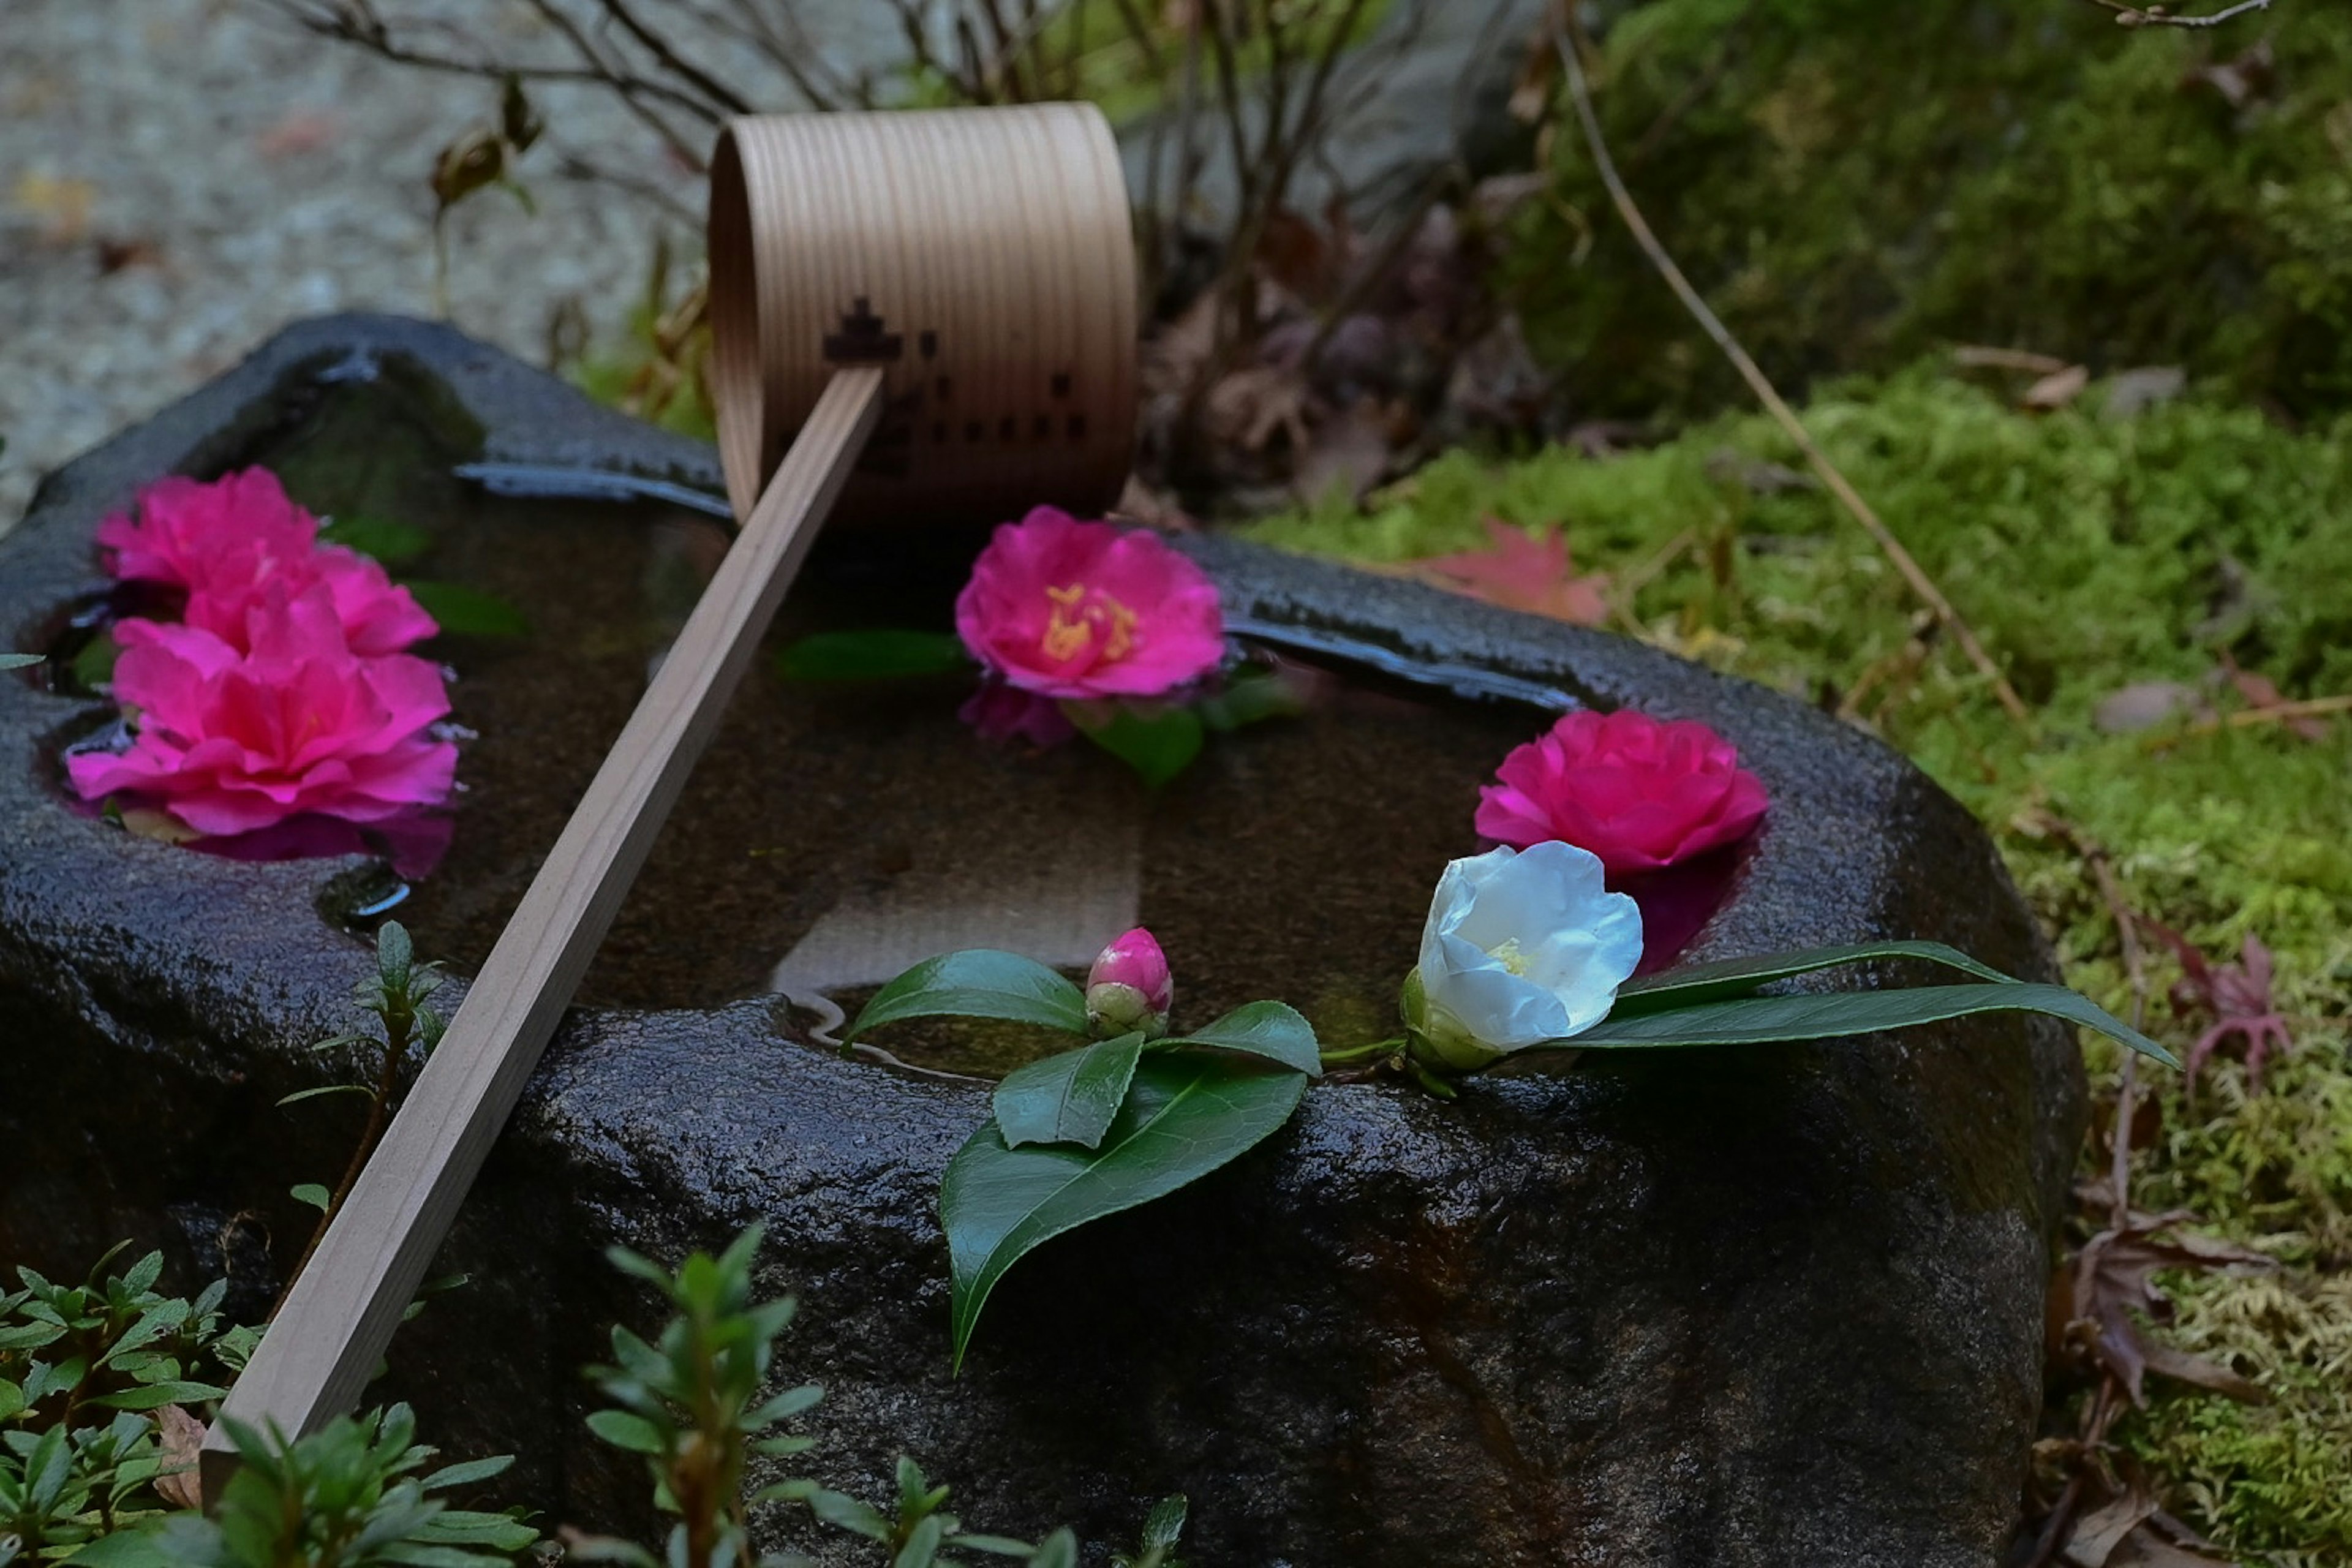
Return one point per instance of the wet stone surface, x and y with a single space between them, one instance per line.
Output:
1754 1307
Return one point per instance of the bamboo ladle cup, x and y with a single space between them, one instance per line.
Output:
923 316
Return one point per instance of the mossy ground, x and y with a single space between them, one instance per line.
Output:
1853 184
2089 553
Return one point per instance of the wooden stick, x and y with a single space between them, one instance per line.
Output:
341 1315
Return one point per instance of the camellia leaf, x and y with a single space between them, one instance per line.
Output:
1067 1098
387 542
1269 1029
1696 983
872 656
1185 1116
977 983
1157 746
1759 1020
468 611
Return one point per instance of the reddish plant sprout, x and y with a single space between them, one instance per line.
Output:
2236 995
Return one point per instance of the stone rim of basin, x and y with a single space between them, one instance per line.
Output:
172 948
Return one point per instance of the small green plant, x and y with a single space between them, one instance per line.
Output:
689 1400
394 995
349 1496
91 1378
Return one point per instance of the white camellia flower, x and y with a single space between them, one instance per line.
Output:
1523 946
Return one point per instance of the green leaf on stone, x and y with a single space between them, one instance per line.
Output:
1185 1116
977 983
389 543
1273 1030
1067 1098
1696 983
1157 746
468 611
872 656
1761 1020
20 660
317 1196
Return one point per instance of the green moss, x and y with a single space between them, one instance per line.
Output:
2089 554
1854 182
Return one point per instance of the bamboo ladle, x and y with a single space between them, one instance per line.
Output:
923 316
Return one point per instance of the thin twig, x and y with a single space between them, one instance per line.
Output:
2162 17
2269 713
1580 91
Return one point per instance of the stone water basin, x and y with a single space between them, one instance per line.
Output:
1755 1308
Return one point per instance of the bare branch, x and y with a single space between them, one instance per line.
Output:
2162 15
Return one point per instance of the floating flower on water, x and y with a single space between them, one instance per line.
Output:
1129 987
233 542
378 616
1522 947
1638 792
1065 608
183 526
229 740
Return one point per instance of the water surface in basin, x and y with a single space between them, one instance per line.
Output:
836 833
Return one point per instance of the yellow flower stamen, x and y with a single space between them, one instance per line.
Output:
1509 956
1080 615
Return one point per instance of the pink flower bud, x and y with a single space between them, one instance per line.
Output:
1130 988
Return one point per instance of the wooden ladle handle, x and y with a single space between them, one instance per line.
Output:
340 1316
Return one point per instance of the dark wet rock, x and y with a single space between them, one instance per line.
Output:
1762 1308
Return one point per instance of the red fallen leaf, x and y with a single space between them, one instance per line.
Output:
2237 995
2259 691
1520 571
2101 1294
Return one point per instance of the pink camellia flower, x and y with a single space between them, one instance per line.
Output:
1638 792
378 616
183 524
1130 988
228 740
230 543
1065 608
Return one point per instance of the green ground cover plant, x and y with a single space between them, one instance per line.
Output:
2149 555
1852 185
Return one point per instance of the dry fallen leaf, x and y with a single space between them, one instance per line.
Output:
2261 692
2101 1294
2143 705
1520 571
183 1437
2057 389
2132 392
